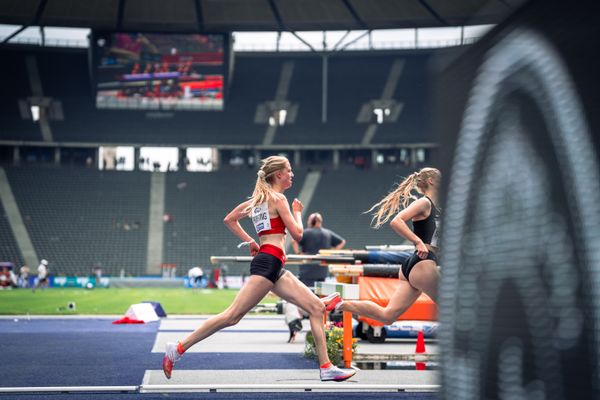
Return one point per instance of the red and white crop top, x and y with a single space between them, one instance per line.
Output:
265 225
277 226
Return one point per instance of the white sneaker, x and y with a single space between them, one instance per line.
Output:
334 373
171 357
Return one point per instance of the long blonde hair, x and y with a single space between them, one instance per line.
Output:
263 191
402 195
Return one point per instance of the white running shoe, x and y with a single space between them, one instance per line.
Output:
334 373
171 357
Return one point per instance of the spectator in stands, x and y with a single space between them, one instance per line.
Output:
24 276
42 278
271 216
12 278
420 273
315 238
5 278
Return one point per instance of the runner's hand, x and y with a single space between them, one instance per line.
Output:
254 247
422 250
297 206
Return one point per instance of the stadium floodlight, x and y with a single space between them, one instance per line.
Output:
381 113
35 113
278 117
282 115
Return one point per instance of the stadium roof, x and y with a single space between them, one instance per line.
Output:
253 15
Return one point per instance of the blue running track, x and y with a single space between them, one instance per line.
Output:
94 352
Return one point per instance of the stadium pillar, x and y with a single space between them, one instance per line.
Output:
136 159
297 158
154 255
336 159
257 156
325 88
181 159
413 157
416 38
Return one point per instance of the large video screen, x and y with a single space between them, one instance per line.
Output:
159 71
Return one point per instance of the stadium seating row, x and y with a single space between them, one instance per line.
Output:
82 218
354 80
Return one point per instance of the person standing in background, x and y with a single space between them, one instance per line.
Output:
42 275
196 277
315 238
24 276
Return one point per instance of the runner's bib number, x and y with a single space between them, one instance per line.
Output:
260 217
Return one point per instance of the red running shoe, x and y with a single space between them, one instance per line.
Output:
332 302
171 357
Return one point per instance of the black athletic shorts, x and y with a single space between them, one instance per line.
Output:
268 266
413 260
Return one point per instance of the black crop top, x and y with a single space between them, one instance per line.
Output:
427 229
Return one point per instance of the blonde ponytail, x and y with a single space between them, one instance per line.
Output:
389 205
402 195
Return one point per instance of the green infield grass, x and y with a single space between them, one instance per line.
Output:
54 301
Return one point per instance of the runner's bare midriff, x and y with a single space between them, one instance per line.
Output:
275 240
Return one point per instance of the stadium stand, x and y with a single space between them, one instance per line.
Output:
413 124
79 218
353 81
198 203
9 251
15 86
254 83
343 196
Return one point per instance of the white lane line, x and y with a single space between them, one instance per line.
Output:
30 389
337 387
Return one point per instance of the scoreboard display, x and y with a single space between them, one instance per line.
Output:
155 71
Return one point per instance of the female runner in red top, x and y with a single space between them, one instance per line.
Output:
271 215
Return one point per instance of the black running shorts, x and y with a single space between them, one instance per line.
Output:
267 266
413 260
